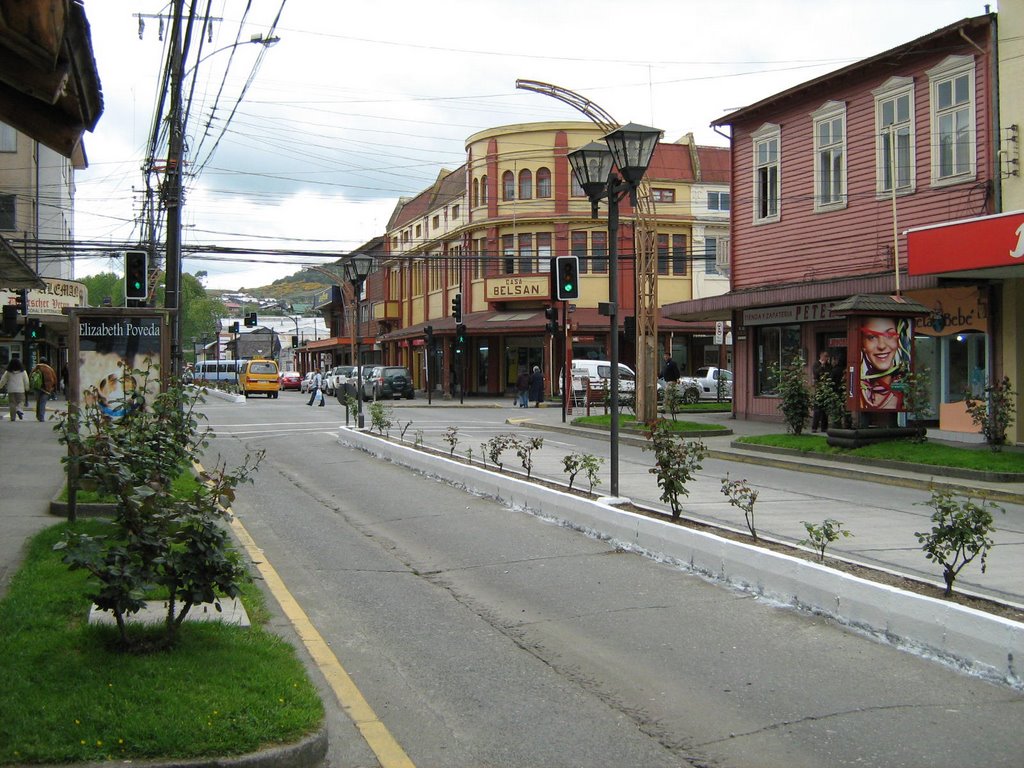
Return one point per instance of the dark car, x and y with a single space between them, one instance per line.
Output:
388 381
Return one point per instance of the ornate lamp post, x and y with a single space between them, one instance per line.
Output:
629 149
357 267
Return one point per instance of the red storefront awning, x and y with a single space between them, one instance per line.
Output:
981 243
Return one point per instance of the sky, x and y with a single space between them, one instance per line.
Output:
308 144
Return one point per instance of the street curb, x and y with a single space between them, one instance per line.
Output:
965 638
308 752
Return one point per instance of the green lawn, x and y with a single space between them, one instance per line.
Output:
69 697
935 454
630 422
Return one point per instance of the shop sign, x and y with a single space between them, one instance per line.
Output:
987 241
953 310
520 288
793 313
52 299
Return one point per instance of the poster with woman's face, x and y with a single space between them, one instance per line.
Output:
109 349
885 362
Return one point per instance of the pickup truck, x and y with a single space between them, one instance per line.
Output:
709 383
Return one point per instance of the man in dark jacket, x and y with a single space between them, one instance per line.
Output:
670 371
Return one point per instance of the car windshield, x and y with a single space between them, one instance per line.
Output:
262 368
393 372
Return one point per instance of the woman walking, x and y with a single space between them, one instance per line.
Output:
16 380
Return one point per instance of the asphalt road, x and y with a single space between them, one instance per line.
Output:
484 636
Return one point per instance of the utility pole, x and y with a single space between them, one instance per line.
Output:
172 191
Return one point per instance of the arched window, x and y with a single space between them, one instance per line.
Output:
508 186
525 184
543 182
476 192
483 190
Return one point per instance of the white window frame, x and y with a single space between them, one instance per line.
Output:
948 71
765 136
719 196
892 90
829 156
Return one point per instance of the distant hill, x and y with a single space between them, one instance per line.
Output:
297 289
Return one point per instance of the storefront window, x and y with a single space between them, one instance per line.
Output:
776 346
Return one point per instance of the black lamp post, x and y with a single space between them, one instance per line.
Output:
357 267
629 149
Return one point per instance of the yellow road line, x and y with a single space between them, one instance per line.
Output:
378 738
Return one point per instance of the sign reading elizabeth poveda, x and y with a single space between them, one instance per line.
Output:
118 357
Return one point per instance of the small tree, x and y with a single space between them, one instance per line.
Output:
820 536
829 398
961 531
381 417
496 446
676 462
795 394
673 398
917 399
524 450
994 414
742 496
451 436
577 462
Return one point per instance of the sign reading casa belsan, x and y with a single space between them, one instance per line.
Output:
518 288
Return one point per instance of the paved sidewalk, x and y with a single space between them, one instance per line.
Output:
31 474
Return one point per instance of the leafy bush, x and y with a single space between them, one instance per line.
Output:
381 417
451 436
524 450
994 414
794 393
961 531
820 536
175 545
742 496
577 462
676 462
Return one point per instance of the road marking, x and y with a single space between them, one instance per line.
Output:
353 703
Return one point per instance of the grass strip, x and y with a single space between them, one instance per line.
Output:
70 697
628 421
933 454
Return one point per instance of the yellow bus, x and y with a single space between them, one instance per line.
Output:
259 375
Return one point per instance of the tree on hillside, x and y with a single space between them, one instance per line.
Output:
102 285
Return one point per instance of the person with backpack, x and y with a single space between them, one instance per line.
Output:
44 383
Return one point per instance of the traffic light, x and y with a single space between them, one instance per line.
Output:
551 313
295 342
136 278
457 308
233 328
21 301
460 335
429 333
567 277
34 330
10 320
250 320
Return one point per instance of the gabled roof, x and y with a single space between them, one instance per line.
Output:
448 186
828 82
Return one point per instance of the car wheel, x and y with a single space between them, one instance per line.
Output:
410 395
246 395
691 396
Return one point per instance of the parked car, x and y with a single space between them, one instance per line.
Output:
334 380
307 382
388 382
709 383
351 385
599 374
290 380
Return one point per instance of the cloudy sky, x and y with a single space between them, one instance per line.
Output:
307 145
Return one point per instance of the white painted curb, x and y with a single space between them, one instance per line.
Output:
222 395
977 642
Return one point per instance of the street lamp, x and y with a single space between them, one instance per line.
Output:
357 267
629 149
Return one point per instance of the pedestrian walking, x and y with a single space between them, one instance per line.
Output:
316 389
670 370
16 382
821 372
536 386
523 389
44 382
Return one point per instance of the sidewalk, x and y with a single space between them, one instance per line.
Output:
31 474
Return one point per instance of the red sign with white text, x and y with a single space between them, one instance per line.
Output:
989 241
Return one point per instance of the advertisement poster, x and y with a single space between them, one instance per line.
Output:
110 348
885 362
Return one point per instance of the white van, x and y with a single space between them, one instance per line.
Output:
599 375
